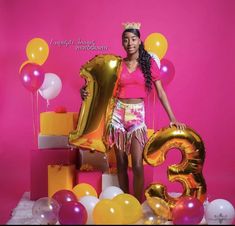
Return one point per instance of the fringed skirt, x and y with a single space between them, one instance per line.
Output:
128 120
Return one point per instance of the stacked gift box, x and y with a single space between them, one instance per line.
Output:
55 165
54 158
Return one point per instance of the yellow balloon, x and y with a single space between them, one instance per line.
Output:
101 74
106 211
131 207
160 207
83 189
156 43
37 51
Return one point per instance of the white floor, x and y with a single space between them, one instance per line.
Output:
22 214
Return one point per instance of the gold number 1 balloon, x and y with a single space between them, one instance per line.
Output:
188 172
101 74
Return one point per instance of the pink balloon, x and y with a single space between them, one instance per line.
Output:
187 210
32 76
167 71
72 213
63 196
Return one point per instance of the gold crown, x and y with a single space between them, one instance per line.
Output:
132 25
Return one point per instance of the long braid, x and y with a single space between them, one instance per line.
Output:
145 65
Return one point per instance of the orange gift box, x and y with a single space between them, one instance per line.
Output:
60 177
52 123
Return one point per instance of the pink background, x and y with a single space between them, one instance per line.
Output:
201 38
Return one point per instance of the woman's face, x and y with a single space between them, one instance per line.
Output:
131 42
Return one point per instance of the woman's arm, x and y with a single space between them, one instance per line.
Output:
164 100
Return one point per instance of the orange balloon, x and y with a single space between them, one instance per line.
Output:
83 189
156 43
23 64
37 50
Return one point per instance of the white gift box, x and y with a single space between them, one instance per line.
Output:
109 180
50 141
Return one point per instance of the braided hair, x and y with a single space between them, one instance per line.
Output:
143 60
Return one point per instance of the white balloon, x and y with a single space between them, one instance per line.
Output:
89 203
156 58
219 211
110 192
51 86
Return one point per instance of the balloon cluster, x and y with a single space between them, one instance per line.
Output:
156 44
81 205
188 210
32 74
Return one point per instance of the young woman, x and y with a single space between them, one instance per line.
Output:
127 129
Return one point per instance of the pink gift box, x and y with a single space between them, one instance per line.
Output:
40 159
148 178
94 178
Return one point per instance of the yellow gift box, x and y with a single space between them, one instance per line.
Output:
52 123
60 177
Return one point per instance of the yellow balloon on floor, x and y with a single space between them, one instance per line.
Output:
37 50
131 207
107 211
156 43
83 189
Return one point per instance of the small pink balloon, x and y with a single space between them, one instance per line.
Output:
167 71
63 196
72 213
187 211
32 76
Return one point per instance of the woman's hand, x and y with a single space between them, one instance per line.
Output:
179 125
83 92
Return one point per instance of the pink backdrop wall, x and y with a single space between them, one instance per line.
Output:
201 38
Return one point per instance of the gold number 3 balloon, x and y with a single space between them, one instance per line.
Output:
188 172
101 74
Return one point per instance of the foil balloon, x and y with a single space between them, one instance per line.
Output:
160 207
188 172
101 74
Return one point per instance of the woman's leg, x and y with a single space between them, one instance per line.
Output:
136 151
122 165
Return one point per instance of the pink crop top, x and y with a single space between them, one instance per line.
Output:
132 84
